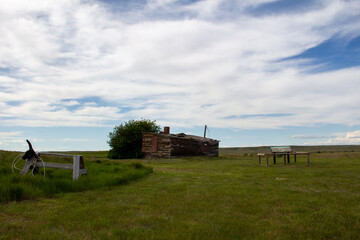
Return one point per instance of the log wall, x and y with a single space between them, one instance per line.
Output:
155 145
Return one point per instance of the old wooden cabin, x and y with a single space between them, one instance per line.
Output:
166 145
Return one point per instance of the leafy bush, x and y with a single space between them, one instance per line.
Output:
125 140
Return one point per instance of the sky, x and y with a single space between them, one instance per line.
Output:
256 72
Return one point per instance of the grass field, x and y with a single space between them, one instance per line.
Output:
230 197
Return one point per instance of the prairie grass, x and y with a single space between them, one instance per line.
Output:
229 197
102 173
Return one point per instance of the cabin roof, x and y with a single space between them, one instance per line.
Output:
185 136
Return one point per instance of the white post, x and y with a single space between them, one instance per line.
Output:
76 167
27 165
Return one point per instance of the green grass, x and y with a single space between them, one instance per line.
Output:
311 149
230 197
102 173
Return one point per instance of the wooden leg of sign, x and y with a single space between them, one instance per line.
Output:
294 158
284 159
274 159
259 159
267 160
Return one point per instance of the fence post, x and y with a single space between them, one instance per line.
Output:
76 167
27 165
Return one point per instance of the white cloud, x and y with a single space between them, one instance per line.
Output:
345 138
7 138
75 140
308 137
182 72
9 135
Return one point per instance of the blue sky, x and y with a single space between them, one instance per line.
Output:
256 72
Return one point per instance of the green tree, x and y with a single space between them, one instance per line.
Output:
125 141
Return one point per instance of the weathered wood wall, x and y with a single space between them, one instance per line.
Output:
156 145
163 145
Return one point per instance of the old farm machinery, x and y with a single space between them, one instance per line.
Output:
33 163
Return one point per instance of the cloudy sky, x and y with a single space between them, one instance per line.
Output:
257 72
